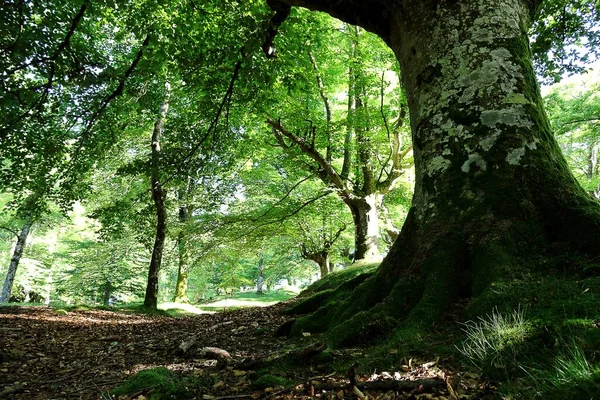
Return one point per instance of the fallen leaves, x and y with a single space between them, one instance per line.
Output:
83 354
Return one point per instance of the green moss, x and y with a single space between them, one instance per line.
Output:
163 384
270 381
312 303
61 312
328 295
359 270
317 322
489 263
366 327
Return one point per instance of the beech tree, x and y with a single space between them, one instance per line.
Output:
491 184
16 256
574 109
355 143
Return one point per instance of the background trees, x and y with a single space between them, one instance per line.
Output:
353 137
574 110
263 160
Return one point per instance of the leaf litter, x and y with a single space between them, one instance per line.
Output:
83 354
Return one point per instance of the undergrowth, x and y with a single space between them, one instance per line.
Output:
492 342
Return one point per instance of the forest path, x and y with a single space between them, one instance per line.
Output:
44 355
84 354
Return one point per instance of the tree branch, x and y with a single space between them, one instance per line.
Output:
577 121
310 151
213 125
282 11
10 230
373 15
61 47
286 195
325 103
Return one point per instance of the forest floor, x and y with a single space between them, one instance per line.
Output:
84 354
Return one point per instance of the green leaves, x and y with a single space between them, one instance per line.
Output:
565 37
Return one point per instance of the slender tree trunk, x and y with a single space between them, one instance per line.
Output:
158 196
366 227
349 138
324 264
181 287
16 257
107 293
592 171
261 278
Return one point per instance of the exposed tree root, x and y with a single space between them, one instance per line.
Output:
433 267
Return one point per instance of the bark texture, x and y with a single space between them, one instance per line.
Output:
492 187
16 258
158 196
183 269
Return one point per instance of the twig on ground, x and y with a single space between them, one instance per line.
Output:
219 325
291 387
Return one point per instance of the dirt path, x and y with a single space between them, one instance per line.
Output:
84 354
48 356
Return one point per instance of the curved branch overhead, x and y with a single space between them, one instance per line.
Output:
372 15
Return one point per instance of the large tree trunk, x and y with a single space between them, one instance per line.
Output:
158 196
491 184
366 227
16 258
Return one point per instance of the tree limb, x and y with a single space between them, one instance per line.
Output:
10 230
577 121
286 195
325 103
373 15
313 153
282 11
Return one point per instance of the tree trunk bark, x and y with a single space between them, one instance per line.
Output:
107 293
491 184
158 196
183 270
16 258
366 227
261 277
592 171
324 264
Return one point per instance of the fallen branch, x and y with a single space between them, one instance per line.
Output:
306 352
212 328
417 386
292 387
233 396
310 351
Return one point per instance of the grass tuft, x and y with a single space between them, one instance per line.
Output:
492 342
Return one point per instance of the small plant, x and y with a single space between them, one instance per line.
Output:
570 377
572 367
492 341
160 383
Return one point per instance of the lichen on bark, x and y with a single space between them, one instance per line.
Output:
491 185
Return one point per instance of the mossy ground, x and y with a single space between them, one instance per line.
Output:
557 357
157 383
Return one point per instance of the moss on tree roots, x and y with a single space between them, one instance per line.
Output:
414 287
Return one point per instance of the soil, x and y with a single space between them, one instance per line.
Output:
84 354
